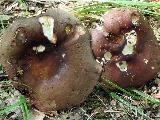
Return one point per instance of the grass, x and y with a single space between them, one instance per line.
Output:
3 21
135 109
23 5
20 104
135 95
95 8
100 7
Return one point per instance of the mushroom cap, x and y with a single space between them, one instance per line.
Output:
132 51
50 55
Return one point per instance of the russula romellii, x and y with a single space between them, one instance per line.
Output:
127 48
50 55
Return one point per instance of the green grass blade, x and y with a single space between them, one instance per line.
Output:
151 13
135 109
94 10
134 93
94 5
127 3
5 82
120 88
20 104
146 7
136 3
25 111
2 24
147 97
10 108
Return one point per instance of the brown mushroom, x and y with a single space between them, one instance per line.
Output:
50 55
127 47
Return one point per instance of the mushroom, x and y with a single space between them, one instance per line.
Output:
50 58
127 48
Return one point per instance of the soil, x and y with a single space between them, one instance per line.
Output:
99 104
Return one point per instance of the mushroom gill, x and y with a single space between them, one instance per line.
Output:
50 58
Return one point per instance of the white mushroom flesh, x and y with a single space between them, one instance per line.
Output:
48 26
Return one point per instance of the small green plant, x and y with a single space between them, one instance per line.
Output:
23 4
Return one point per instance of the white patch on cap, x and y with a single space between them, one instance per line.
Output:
48 26
63 55
122 65
152 68
40 48
145 61
99 62
103 59
131 38
107 56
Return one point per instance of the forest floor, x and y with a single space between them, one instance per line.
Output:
100 104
